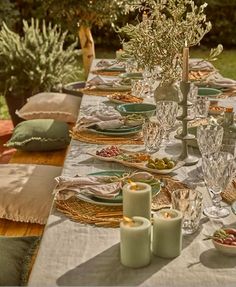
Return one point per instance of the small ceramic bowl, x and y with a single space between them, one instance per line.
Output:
74 88
146 110
208 92
229 250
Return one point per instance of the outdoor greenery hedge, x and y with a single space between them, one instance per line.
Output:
220 12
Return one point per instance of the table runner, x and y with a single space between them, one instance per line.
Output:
74 254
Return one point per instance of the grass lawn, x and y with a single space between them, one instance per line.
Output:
226 64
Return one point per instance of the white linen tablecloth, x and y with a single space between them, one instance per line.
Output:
73 254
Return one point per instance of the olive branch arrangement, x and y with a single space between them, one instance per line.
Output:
160 37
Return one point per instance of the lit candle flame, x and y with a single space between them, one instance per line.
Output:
133 185
127 219
186 44
167 215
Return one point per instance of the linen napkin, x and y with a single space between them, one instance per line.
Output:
99 83
69 186
103 117
105 63
216 80
200 65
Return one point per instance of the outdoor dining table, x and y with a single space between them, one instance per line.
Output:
76 254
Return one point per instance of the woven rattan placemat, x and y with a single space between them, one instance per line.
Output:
228 93
89 137
110 216
107 73
97 92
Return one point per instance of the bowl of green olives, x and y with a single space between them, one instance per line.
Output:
158 163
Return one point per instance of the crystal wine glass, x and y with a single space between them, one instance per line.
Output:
209 138
166 112
218 170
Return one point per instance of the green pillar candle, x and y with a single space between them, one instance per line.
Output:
135 242
137 198
167 236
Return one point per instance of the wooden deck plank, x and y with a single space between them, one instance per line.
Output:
55 158
12 228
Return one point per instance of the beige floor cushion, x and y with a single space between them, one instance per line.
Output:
57 106
26 191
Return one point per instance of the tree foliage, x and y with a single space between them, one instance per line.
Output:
8 13
85 12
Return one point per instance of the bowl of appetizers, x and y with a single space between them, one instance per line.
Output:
224 240
122 98
144 109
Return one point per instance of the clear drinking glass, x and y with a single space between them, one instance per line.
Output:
209 138
137 88
202 107
166 113
189 202
152 135
218 170
192 98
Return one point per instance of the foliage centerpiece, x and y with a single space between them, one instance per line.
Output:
160 37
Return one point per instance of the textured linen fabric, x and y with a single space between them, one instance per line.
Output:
26 191
15 259
73 254
57 106
40 135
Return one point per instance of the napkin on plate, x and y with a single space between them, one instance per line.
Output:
216 80
110 85
94 185
105 63
200 65
104 117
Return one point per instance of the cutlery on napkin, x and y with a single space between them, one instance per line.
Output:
69 186
103 117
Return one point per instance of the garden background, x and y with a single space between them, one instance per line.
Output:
222 15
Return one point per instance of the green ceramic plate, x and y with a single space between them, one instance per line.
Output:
208 92
144 109
117 132
118 199
116 69
122 129
135 76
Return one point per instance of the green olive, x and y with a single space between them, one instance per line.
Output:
151 165
170 164
160 165
166 159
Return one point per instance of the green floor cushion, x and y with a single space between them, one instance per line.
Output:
26 191
40 135
57 106
15 259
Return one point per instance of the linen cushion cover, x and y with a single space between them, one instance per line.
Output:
26 191
58 106
15 260
40 135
